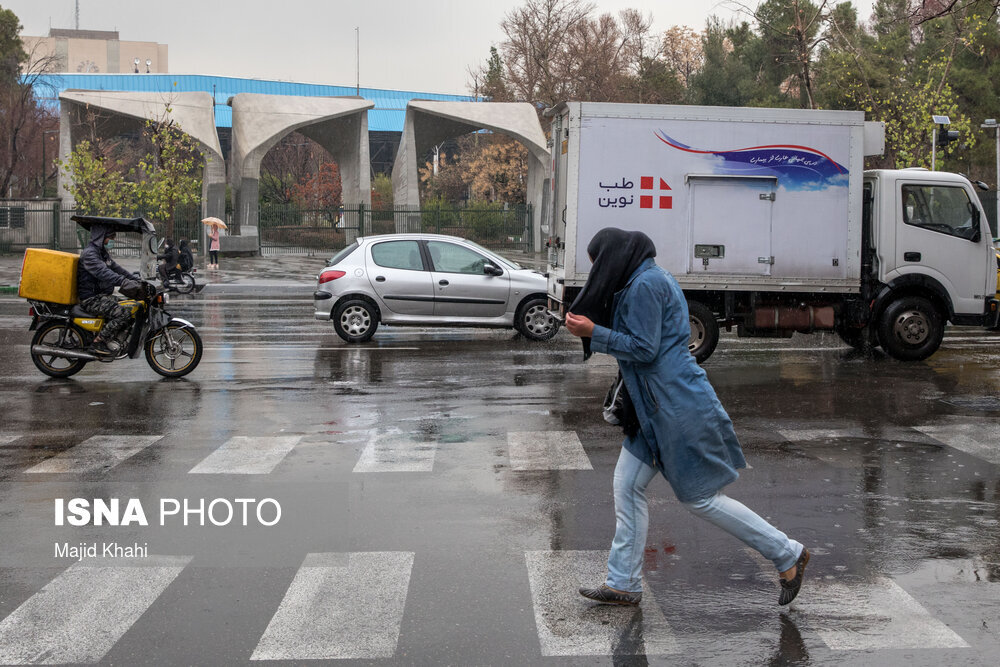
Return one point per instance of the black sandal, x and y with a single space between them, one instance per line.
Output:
790 587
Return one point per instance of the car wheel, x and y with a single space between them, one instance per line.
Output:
704 331
911 329
533 320
355 320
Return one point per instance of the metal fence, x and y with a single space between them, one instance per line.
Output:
43 223
287 229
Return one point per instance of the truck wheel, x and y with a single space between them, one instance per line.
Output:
911 328
704 331
355 320
855 337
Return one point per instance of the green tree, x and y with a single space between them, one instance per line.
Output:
98 184
732 59
12 53
170 175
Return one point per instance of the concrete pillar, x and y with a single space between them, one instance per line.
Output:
339 124
430 122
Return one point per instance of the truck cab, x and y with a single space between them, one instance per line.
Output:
931 248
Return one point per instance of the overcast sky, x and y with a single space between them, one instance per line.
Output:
425 46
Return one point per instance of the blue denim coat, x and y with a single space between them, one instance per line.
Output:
684 431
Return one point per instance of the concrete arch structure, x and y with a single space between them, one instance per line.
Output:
128 111
338 124
428 123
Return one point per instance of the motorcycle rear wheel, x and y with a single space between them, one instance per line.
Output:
58 334
175 358
182 284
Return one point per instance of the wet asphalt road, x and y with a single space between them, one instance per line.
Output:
412 448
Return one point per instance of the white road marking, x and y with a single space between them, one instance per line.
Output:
800 435
864 615
569 624
547 450
310 348
340 606
100 452
978 438
396 451
873 615
81 614
244 455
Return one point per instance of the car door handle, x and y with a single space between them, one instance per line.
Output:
442 282
380 279
911 256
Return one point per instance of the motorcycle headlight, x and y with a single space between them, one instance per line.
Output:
164 298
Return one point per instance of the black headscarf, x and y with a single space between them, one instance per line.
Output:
616 255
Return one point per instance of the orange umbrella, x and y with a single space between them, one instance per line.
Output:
214 222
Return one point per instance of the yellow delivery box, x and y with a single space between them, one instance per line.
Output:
48 275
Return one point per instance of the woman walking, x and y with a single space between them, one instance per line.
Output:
674 425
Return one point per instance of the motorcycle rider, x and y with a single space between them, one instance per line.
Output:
186 258
171 258
97 275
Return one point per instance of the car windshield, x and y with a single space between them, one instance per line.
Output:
492 255
343 254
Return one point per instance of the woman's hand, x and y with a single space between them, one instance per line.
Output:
579 325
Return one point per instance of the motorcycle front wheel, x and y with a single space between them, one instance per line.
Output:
62 335
174 351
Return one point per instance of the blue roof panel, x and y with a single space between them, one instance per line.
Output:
388 114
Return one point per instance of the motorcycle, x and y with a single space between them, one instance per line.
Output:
64 334
182 282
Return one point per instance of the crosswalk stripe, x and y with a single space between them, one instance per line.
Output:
568 624
315 621
547 450
81 614
805 434
100 452
245 455
396 452
977 438
867 615
874 615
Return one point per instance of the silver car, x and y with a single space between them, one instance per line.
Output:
429 279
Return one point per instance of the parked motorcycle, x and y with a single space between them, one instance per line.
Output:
61 346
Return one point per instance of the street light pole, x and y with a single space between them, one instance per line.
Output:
45 165
992 123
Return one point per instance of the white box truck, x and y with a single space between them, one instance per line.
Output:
770 224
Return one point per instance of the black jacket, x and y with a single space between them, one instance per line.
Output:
97 273
170 257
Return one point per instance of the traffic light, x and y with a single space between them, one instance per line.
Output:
946 136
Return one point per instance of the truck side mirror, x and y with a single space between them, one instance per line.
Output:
977 234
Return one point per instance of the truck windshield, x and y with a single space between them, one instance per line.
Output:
940 208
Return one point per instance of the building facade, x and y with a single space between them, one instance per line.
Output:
97 52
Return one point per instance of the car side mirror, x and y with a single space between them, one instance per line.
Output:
492 270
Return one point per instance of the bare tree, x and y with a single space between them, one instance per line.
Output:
681 51
23 121
294 160
535 46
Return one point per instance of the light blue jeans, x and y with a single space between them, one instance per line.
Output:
632 476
